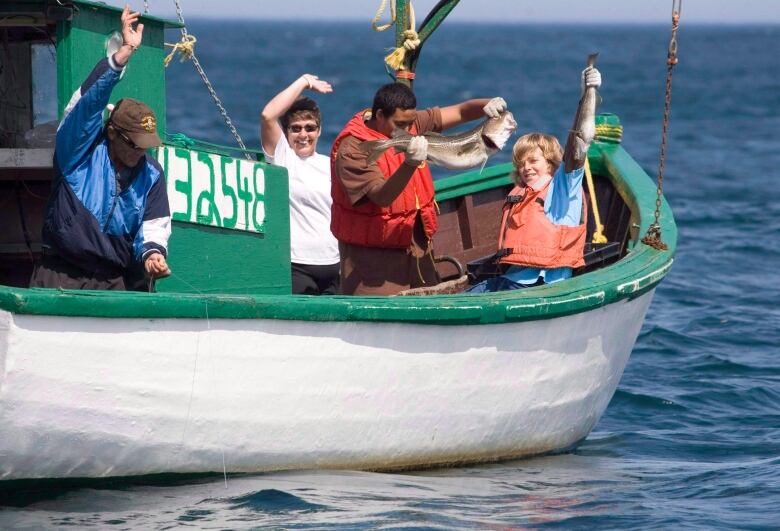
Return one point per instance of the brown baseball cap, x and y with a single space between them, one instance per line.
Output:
137 121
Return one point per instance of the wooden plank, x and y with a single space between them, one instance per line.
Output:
27 158
466 220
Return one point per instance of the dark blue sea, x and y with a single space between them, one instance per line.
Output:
691 439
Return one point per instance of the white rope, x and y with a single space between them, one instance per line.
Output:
395 59
375 22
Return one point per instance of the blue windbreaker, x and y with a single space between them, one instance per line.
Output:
87 222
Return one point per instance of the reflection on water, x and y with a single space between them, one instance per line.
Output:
529 492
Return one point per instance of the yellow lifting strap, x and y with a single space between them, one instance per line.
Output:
598 234
395 59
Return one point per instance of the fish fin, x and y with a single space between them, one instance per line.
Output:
374 149
432 133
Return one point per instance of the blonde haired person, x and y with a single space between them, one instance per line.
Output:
542 235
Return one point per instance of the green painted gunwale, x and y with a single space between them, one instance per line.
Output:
165 22
635 274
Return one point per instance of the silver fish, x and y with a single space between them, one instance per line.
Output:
583 130
457 152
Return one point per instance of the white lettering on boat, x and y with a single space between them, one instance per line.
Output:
215 190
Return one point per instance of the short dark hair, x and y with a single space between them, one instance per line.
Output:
391 97
302 108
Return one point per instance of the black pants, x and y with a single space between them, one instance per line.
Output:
54 272
315 279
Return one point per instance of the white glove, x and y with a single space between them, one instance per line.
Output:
590 78
494 107
416 151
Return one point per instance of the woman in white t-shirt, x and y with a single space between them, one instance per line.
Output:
290 126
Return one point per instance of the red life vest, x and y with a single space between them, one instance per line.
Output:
367 223
529 238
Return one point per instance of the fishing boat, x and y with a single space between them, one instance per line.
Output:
223 370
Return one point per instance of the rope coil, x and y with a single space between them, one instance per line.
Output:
609 133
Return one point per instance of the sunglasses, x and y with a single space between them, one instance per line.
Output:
298 128
126 139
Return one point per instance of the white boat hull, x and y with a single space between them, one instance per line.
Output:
92 397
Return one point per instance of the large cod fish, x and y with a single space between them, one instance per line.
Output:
457 152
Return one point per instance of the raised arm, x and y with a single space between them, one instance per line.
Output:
466 111
270 130
83 118
584 128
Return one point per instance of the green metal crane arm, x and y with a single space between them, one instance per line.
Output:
436 17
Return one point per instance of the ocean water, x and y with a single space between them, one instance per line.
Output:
691 438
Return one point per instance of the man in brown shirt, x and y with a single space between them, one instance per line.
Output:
384 215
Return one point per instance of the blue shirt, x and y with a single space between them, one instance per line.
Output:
562 206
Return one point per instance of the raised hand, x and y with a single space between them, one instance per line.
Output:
316 84
132 37
591 77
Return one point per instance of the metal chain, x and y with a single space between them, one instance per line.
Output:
653 236
210 88
146 7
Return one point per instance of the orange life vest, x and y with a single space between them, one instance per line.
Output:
367 223
529 238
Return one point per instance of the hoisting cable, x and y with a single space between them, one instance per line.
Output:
186 47
653 236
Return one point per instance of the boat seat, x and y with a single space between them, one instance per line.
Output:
596 255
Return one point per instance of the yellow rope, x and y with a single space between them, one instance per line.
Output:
419 272
395 59
186 47
612 132
598 234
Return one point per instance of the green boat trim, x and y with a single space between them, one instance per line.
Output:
102 6
635 274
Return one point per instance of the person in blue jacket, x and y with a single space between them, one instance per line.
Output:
108 212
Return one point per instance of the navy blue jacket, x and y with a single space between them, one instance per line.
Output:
87 222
